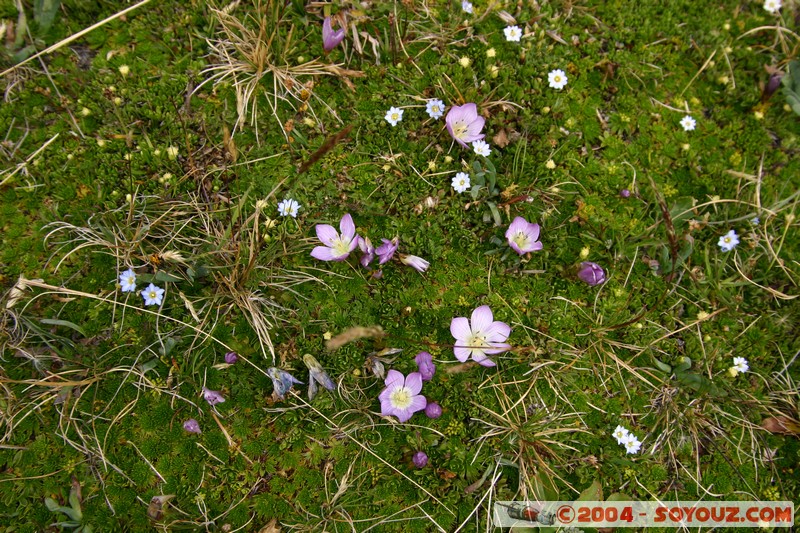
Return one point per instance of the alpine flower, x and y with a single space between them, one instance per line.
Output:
368 251
420 459
513 33
591 273
728 241
316 374
620 433
153 295
127 281
337 247
192 426
480 337
425 364
417 263
435 108
688 123
213 397
773 6
331 38
460 182
523 237
557 79
464 124
466 6
231 357
481 148
740 365
282 381
632 444
386 251
288 208
394 115
401 397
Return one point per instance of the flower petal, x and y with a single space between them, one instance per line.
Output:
348 227
326 233
418 403
394 379
481 319
497 332
498 347
414 383
459 328
323 253
461 353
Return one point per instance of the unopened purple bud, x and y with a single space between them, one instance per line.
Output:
433 410
330 37
192 426
426 367
420 459
591 273
231 357
625 193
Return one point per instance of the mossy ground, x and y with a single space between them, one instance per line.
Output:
99 399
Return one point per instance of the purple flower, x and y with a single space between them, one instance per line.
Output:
625 193
433 410
523 236
337 247
331 38
282 381
420 459
483 336
386 251
231 357
401 397
464 124
417 263
213 397
426 367
192 426
365 245
591 273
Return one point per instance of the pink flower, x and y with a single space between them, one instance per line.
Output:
401 397
331 38
482 337
417 263
523 236
464 124
337 247
386 251
213 397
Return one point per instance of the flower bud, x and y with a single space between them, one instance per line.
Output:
591 273
192 426
231 357
433 410
426 367
420 459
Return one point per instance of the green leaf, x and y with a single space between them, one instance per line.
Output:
65 323
684 364
664 367
166 278
44 13
592 493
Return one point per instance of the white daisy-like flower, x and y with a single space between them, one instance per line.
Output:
460 182
467 7
632 444
728 241
513 33
394 115
620 433
127 280
435 108
740 364
153 295
773 6
481 148
288 208
688 123
557 79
